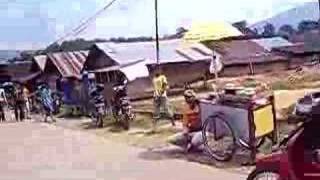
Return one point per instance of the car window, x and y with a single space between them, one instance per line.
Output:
316 95
312 135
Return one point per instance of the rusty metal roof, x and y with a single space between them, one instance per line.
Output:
69 64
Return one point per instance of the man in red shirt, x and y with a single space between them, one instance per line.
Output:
191 136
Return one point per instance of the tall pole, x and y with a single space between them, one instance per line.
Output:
319 10
319 15
157 30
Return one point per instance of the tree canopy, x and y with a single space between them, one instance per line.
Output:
307 25
269 30
286 31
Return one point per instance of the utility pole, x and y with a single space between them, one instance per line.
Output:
319 15
157 30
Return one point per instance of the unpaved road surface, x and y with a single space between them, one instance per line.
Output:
31 150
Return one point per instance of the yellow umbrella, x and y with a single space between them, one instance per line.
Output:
201 31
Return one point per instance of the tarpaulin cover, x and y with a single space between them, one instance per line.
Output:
203 31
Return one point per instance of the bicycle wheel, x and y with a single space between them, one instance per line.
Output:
219 138
259 142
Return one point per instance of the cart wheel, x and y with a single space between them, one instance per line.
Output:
219 138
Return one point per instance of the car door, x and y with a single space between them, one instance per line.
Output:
311 165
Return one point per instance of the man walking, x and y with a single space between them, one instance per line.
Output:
19 104
160 85
47 102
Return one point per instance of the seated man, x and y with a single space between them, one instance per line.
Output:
191 137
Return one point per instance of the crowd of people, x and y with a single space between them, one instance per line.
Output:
15 98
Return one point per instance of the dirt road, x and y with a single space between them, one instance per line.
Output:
34 151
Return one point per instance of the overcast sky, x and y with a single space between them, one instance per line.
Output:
42 21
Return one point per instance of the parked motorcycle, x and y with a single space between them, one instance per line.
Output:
57 98
100 106
122 109
297 158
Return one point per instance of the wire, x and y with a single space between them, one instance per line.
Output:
83 25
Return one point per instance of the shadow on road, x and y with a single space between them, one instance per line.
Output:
198 157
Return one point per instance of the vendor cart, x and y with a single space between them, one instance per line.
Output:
232 121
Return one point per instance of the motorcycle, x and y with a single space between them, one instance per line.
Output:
122 109
100 107
296 158
57 98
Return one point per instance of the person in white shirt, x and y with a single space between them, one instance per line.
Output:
3 102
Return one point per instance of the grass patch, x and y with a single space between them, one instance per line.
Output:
286 113
142 121
281 85
298 81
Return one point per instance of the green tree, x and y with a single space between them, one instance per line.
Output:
241 25
269 30
286 31
307 25
181 31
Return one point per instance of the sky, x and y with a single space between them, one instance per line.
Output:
35 23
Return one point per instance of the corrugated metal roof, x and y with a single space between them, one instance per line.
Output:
135 70
270 43
263 58
124 53
132 71
69 64
242 52
299 48
237 48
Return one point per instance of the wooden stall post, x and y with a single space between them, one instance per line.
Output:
252 138
275 130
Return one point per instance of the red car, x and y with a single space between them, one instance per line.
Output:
298 157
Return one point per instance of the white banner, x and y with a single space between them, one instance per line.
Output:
216 64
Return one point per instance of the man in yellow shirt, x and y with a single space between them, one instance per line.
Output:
160 85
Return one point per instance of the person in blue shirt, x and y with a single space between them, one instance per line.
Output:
47 101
